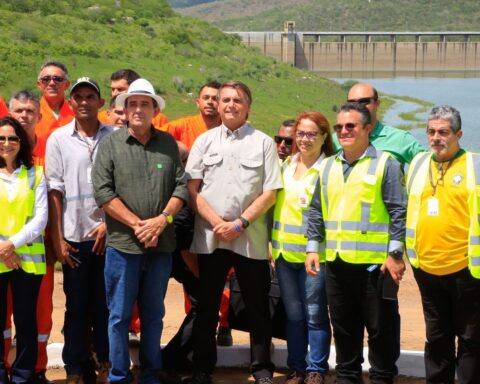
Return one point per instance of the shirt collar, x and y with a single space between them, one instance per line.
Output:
129 136
73 128
294 161
369 152
378 130
238 133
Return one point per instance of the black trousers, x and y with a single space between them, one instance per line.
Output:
254 280
355 301
451 307
25 287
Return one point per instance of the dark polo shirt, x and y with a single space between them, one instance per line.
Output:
144 178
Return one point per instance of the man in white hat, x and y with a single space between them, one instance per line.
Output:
140 183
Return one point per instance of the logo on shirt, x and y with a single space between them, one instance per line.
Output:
457 179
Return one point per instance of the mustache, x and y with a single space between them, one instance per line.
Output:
437 143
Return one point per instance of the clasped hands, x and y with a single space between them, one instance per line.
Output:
226 231
148 231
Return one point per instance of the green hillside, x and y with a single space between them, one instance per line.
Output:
341 15
95 38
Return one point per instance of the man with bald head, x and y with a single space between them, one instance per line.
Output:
401 144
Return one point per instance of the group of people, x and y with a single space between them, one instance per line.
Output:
124 200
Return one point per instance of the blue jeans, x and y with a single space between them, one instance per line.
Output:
308 324
142 278
86 315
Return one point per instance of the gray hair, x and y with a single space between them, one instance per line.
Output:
24 96
446 112
53 63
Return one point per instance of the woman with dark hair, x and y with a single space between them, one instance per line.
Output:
304 296
23 201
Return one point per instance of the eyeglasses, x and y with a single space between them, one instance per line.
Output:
307 135
287 140
362 100
47 79
348 127
11 139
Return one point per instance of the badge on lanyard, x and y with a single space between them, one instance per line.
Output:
433 206
89 174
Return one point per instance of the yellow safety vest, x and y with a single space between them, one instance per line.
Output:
355 216
416 179
290 216
16 212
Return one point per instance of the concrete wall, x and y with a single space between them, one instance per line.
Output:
420 57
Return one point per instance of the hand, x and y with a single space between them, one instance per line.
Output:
312 263
63 251
226 231
100 235
148 231
13 261
6 249
396 268
191 261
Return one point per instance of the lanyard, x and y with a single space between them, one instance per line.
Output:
91 146
442 173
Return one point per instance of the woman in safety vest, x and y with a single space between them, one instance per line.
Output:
304 296
24 214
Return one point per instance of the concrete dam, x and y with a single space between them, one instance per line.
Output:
364 54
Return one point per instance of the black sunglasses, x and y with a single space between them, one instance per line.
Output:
56 79
10 139
279 139
363 100
348 127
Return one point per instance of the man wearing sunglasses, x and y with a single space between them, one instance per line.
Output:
359 208
284 139
401 144
52 82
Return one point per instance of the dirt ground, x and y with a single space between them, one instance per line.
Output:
412 331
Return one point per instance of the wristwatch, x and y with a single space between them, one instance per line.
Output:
397 254
168 216
244 221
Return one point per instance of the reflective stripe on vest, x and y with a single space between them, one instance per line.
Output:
42 338
364 239
7 333
415 184
18 213
291 218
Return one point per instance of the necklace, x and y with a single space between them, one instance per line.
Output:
440 176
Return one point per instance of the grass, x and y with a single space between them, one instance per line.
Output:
176 54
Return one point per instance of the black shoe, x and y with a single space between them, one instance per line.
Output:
169 377
224 337
40 378
198 378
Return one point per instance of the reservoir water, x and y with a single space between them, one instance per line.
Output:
461 93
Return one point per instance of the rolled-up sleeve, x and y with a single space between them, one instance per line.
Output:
102 174
315 226
54 166
273 176
180 189
195 167
395 199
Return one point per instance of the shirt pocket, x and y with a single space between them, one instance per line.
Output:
251 171
212 167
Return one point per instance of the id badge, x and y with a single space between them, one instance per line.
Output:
89 175
433 206
303 200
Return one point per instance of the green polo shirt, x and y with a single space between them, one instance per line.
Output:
144 178
401 144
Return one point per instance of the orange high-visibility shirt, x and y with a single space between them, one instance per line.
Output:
157 121
3 108
47 124
186 129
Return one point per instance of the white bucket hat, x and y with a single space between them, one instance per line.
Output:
141 87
